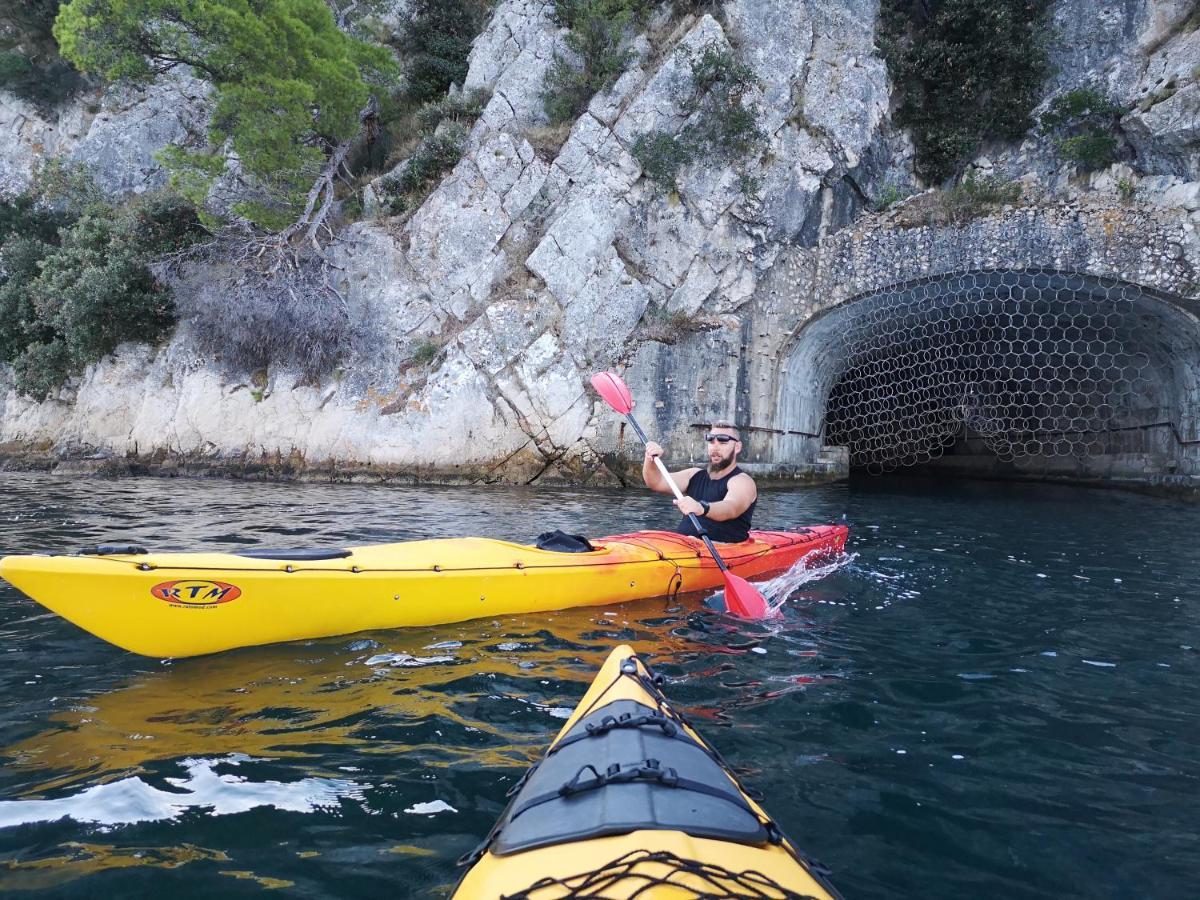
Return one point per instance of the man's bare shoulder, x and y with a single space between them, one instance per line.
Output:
743 482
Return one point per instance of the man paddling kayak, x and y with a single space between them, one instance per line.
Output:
722 494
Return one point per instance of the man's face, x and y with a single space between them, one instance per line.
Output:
721 452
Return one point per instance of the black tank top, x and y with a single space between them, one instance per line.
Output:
731 531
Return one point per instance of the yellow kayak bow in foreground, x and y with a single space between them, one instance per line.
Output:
629 801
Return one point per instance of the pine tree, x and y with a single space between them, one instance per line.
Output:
289 85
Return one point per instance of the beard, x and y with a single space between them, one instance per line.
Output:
721 464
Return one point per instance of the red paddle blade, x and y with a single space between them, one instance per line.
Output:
742 599
610 386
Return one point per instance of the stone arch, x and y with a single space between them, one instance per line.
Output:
1101 376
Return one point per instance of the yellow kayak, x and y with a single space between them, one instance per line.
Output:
629 801
185 604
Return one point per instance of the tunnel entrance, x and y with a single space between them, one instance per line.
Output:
1025 371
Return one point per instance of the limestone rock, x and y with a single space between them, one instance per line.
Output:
511 58
1164 126
115 133
134 123
26 138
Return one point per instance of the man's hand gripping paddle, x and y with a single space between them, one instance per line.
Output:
741 598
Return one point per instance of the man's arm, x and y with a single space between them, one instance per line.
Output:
738 496
654 478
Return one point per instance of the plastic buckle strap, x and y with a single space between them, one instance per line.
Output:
575 785
627 720
668 725
650 770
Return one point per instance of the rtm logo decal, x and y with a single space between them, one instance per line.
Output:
194 592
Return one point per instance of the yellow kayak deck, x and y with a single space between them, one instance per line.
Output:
596 817
185 604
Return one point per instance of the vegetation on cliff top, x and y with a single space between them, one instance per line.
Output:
291 88
30 66
598 41
437 40
966 71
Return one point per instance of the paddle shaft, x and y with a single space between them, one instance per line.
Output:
700 529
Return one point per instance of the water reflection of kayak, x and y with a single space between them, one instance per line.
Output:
185 604
295 701
630 801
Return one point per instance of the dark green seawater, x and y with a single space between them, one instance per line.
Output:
996 697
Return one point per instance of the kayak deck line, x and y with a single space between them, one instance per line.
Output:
588 561
148 602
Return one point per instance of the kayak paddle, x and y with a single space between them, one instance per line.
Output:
741 598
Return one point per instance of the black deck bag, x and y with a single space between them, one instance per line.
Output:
561 542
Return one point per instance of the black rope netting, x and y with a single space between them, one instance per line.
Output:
1032 364
636 873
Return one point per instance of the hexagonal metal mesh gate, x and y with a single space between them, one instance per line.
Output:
1035 363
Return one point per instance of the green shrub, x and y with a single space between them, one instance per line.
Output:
598 40
661 156
1090 151
888 196
974 196
65 187
423 353
574 14
19 322
1083 124
463 108
715 65
23 216
724 127
437 41
443 127
46 85
966 71
30 22
436 155
1082 104
30 66
70 298
568 93
13 68
971 198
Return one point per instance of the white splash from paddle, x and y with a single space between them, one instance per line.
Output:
781 587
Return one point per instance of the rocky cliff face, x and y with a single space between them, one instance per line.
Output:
114 132
528 269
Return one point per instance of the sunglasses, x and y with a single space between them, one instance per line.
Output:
719 438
